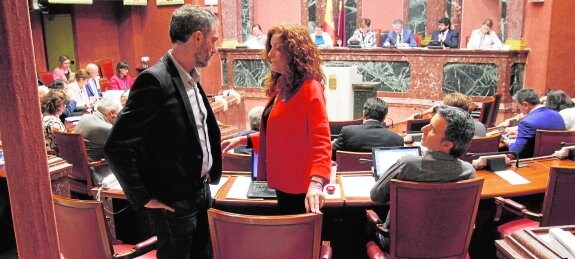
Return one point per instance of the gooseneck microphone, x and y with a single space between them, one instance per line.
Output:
387 118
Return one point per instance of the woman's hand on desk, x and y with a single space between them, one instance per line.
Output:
232 143
155 204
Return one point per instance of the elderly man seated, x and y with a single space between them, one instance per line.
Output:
95 128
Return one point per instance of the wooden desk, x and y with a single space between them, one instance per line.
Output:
59 170
528 243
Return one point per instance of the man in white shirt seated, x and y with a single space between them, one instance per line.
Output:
321 38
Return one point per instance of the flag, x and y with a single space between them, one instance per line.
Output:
341 33
328 23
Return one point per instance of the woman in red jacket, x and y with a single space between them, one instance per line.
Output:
294 141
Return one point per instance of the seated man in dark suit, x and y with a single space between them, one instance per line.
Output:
399 36
446 138
445 35
255 117
95 128
362 138
537 116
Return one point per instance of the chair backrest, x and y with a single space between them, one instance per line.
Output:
433 220
237 162
377 36
107 68
335 126
71 148
486 109
47 78
350 161
416 124
482 145
549 141
81 228
494 111
382 38
558 206
249 236
418 37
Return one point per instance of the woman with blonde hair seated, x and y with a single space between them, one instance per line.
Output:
484 37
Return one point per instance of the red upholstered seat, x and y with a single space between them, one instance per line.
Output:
237 162
482 145
558 206
350 161
549 141
429 220
515 225
83 233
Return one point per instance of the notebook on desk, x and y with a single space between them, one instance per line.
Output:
259 189
385 157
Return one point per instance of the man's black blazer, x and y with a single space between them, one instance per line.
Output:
362 138
154 148
451 40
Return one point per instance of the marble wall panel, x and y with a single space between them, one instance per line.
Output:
470 79
311 15
393 76
246 18
517 78
224 72
350 16
249 73
417 16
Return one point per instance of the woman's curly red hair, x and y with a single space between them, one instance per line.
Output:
304 62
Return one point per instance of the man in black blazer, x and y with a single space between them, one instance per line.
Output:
165 145
362 138
445 35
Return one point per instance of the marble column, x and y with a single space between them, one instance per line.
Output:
435 10
515 18
456 8
230 13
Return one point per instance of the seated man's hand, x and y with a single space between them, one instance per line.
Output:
511 132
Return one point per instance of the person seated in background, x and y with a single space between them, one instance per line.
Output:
121 80
93 87
71 108
321 38
95 128
53 105
399 36
449 38
62 72
458 100
446 138
484 37
362 138
257 39
537 116
364 35
254 117
76 90
559 101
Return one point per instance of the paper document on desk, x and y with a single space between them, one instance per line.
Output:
110 182
357 186
512 177
215 188
240 188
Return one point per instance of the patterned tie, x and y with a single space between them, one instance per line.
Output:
399 38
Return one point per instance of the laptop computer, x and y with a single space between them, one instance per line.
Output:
385 157
259 189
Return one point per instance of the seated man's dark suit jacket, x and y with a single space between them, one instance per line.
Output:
154 149
451 40
362 138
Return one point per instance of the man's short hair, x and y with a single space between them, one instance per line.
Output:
445 21
255 117
526 95
397 21
189 19
374 108
456 99
109 103
257 25
460 128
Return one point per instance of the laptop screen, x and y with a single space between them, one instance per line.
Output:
254 166
385 157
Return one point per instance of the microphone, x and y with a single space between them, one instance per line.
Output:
517 165
391 121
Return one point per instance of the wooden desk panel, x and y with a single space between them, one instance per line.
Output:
59 170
